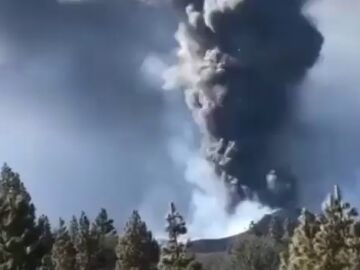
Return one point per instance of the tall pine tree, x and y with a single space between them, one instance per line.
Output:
86 245
174 255
104 234
330 241
103 225
137 250
20 237
45 242
74 229
63 252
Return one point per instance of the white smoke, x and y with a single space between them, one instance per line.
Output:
208 217
211 6
152 66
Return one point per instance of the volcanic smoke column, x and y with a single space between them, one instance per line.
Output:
239 62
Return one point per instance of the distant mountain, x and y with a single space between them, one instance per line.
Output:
223 245
214 254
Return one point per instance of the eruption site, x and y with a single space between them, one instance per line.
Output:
240 63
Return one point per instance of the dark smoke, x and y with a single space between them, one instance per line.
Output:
240 63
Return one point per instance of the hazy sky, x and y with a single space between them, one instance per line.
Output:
79 122
87 127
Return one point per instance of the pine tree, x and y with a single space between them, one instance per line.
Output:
253 229
256 253
334 241
20 237
136 248
288 229
275 230
74 229
103 225
86 245
45 242
63 252
174 255
330 241
301 254
104 232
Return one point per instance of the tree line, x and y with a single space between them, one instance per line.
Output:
326 241
29 243
329 240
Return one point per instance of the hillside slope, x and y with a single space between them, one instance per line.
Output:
215 253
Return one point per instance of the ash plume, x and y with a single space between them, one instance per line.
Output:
240 63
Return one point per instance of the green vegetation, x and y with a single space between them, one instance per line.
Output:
63 252
256 253
30 244
136 248
174 255
23 241
327 241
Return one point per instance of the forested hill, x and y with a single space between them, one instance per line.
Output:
262 227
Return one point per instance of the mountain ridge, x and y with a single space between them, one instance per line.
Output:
225 244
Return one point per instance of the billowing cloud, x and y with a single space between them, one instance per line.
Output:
240 64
